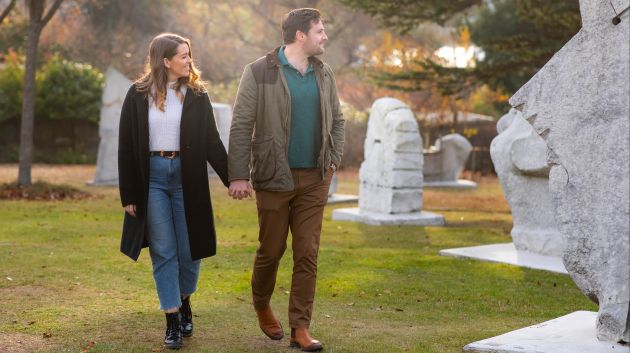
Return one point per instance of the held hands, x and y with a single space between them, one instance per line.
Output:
240 189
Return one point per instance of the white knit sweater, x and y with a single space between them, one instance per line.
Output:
164 125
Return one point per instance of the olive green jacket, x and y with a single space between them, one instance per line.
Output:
261 125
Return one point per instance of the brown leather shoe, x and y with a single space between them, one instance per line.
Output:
269 325
300 338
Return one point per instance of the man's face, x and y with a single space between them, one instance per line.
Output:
315 39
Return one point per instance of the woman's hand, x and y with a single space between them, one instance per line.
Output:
131 209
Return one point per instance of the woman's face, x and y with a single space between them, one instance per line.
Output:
179 65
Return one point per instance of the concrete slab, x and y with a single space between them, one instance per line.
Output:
339 198
507 253
459 184
572 333
379 219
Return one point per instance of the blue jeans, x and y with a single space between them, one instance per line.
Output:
174 271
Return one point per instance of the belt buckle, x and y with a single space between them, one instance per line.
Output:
169 155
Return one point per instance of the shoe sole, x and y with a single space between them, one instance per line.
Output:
305 349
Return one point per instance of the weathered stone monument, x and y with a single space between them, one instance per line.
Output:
391 173
579 103
445 161
520 160
116 86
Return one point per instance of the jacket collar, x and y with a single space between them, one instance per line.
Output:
273 61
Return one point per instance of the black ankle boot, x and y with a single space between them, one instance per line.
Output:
185 318
173 338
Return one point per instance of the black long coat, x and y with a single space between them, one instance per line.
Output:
199 142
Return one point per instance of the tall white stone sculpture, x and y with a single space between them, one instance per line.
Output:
579 103
520 160
116 86
223 118
391 174
444 162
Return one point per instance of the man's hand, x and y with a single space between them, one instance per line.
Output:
240 189
131 209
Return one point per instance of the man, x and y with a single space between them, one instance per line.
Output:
288 128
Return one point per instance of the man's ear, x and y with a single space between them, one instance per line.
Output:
299 35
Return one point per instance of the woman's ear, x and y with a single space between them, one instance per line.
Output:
167 63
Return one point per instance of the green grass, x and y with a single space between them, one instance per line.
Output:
380 289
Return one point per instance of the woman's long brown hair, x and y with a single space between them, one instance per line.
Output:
155 77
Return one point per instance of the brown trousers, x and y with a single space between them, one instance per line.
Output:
302 211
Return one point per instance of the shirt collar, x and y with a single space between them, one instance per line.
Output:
284 61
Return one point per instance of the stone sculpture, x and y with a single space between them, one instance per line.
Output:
446 160
520 160
116 86
579 103
391 173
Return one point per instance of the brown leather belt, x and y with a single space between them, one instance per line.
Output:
165 154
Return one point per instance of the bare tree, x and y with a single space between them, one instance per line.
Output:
37 21
7 10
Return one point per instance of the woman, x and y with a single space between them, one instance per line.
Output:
167 133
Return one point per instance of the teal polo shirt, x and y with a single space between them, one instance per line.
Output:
305 140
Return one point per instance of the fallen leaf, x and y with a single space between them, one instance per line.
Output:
350 304
10 279
47 334
399 309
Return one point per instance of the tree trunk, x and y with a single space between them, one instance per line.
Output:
35 25
36 8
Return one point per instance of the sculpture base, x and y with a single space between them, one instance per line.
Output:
339 198
507 253
102 183
567 334
458 184
380 219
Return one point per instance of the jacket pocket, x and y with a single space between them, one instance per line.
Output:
263 159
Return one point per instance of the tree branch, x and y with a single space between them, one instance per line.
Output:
7 10
51 12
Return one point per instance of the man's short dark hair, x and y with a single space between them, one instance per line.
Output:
298 20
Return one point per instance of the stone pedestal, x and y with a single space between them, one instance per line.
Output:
508 254
354 214
573 333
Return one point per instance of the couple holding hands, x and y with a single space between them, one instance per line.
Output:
286 141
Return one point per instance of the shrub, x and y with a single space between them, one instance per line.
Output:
68 90
11 81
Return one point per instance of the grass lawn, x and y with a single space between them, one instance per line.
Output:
65 287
